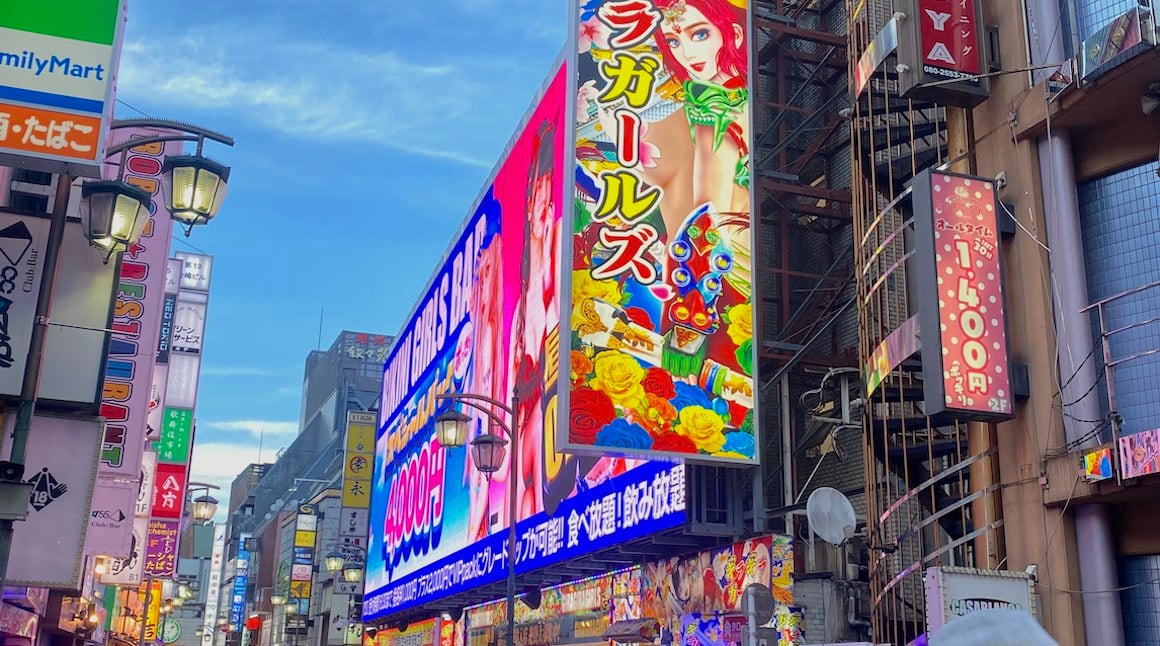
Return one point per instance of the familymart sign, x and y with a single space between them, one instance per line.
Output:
57 61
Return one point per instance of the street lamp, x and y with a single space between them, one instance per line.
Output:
113 214
451 428
204 508
194 187
277 599
487 451
352 574
113 222
335 562
177 602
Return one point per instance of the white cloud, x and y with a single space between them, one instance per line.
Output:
320 92
238 371
255 427
219 463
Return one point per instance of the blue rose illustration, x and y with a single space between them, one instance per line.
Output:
740 443
623 435
689 395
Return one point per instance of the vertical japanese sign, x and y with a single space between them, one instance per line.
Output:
940 41
660 353
241 579
302 569
359 461
152 590
213 588
965 363
57 62
159 387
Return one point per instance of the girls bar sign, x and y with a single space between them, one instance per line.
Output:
966 367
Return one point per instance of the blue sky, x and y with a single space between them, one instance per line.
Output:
364 132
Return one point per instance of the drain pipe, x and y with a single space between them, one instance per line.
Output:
1095 547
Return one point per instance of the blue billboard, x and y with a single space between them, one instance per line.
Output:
489 324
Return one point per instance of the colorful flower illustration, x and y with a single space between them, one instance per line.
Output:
740 319
589 411
623 434
740 443
703 426
659 383
656 414
581 367
584 287
619 376
673 443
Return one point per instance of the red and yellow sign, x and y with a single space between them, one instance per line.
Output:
961 308
661 355
49 133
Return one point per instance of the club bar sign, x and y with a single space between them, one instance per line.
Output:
966 367
940 41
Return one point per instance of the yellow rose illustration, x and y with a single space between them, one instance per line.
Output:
703 426
585 287
618 376
740 323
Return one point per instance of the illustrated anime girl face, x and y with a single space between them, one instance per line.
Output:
702 40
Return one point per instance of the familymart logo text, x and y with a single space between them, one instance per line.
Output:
52 65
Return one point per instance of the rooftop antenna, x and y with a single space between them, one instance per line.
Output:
321 312
261 436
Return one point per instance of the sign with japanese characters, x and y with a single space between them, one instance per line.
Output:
196 271
359 460
488 324
176 436
60 465
959 291
940 53
57 63
659 352
168 491
241 580
213 589
161 547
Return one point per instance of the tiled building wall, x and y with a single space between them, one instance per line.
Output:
1140 575
1120 219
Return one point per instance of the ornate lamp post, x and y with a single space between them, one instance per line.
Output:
487 451
115 214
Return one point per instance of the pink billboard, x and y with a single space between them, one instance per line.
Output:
136 316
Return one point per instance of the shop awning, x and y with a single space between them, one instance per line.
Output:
635 631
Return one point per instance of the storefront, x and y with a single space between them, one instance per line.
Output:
698 598
577 613
423 633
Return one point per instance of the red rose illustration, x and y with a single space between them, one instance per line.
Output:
673 443
589 411
659 383
640 317
579 254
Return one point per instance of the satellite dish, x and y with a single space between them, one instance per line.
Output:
831 516
758 599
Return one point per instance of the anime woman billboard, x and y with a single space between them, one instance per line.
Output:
662 292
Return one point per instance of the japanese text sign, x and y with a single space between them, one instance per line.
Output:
57 62
659 353
161 547
176 435
940 41
168 491
241 579
488 324
359 460
966 369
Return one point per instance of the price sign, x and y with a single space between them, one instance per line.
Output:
966 368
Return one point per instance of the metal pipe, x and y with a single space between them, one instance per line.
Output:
1103 618
27 404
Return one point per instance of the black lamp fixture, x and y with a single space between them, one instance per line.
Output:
204 508
335 562
194 188
352 574
113 214
488 451
451 428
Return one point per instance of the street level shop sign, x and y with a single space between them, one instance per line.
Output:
57 63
